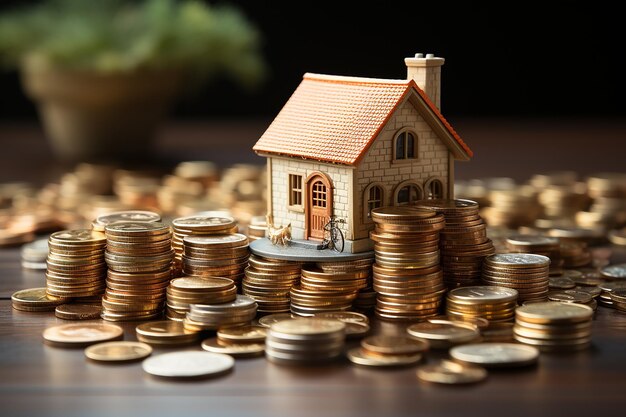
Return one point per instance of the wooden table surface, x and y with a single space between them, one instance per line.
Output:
38 380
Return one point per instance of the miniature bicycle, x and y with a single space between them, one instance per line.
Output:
333 236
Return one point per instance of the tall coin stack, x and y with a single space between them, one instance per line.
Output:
525 272
216 256
75 264
269 281
199 225
464 243
540 245
407 274
139 256
304 341
554 326
197 290
366 297
322 291
496 304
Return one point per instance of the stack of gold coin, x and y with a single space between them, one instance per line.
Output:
512 207
139 256
554 326
269 281
197 290
496 304
540 245
76 266
525 272
618 299
239 312
198 225
242 341
124 216
386 351
563 201
326 291
365 300
575 254
257 229
165 332
216 256
407 275
609 199
304 341
606 289
464 243
574 296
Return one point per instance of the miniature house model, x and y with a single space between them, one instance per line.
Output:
345 145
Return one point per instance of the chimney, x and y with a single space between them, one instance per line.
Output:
426 71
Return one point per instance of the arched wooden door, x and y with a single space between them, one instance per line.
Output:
319 205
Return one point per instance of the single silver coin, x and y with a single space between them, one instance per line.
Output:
188 364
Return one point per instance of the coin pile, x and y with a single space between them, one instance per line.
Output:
76 266
606 289
575 254
525 272
124 216
574 296
330 290
165 332
464 243
242 341
216 256
407 274
496 304
365 300
554 326
201 225
239 312
540 245
608 209
512 208
388 351
304 341
139 256
197 290
451 372
618 298
614 272
443 334
269 281
34 254
257 229
563 201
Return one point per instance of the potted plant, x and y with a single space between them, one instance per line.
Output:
103 73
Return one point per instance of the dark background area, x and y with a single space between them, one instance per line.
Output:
509 59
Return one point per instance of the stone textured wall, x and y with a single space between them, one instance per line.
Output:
340 176
378 166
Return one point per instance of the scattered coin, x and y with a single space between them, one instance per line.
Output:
118 351
81 335
78 311
165 332
443 333
495 354
188 364
267 321
615 272
35 299
243 334
394 345
360 356
449 372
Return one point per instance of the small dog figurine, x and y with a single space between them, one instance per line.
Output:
278 235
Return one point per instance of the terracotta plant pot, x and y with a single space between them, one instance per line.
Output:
92 116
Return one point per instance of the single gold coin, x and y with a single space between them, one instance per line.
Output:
442 333
125 216
394 345
78 311
78 237
243 334
216 345
35 299
118 351
449 372
554 312
81 335
360 356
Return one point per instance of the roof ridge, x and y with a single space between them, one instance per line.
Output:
344 79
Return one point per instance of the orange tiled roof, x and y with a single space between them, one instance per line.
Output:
336 119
